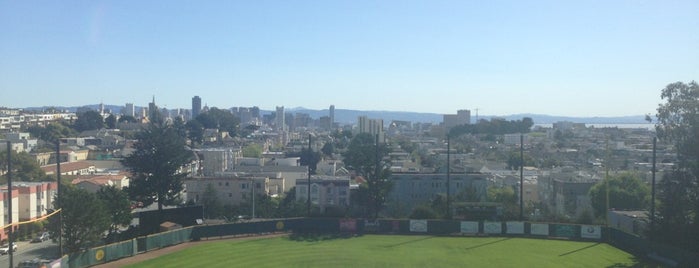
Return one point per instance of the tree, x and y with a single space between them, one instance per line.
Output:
423 212
290 207
220 119
111 121
84 219
213 208
89 120
117 205
366 158
678 124
24 167
52 132
626 192
328 149
195 131
156 164
127 119
309 158
506 196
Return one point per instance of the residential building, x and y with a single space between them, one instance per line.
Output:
325 192
229 190
35 198
72 168
93 183
414 189
4 211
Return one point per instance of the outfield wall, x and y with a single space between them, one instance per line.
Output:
619 239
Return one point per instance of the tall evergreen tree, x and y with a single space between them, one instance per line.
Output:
156 164
117 205
678 124
366 158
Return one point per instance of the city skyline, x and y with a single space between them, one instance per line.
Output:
568 59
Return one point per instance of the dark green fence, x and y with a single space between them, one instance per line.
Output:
633 244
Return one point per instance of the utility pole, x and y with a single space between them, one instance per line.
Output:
521 177
10 235
448 177
58 198
652 192
308 202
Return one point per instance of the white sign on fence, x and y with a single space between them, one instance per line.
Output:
492 227
469 227
515 227
418 226
539 229
590 231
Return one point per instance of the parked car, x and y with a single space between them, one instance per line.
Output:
6 248
41 237
35 263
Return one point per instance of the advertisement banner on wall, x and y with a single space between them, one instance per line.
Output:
515 227
492 227
561 230
418 226
591 232
539 229
469 227
348 225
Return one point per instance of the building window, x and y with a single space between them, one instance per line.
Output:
226 183
243 186
230 194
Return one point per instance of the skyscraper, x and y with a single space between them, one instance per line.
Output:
196 106
129 110
332 116
280 119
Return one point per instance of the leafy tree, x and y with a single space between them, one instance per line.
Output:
127 119
111 121
89 120
117 205
506 196
290 207
156 164
678 124
328 149
84 219
24 167
308 158
195 131
212 205
220 119
367 159
626 191
52 132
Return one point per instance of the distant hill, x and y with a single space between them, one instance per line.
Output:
345 116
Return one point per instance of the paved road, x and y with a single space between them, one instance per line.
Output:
28 251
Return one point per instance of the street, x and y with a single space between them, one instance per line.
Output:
28 251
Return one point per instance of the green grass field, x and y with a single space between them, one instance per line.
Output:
396 251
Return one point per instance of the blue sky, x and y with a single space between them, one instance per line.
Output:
575 58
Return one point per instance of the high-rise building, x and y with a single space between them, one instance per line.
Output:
371 126
332 116
462 117
129 110
196 106
280 119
